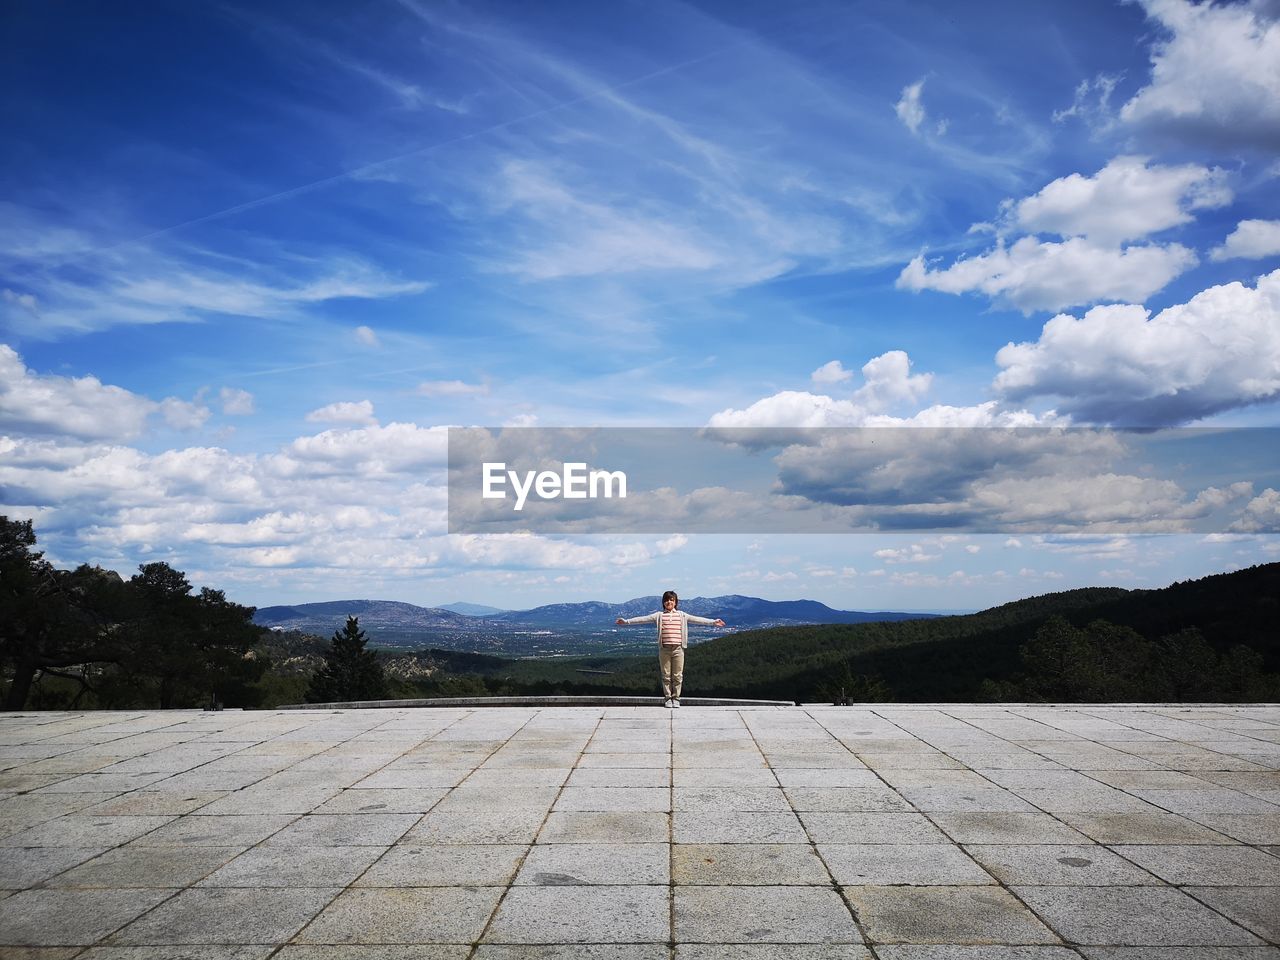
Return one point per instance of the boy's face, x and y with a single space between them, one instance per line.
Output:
669 603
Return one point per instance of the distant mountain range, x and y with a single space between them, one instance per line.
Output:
471 609
403 619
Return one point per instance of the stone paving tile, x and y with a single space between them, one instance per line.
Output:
1180 953
1218 866
190 952
573 914
1079 865
1255 908
722 799
26 867
441 865
849 799
382 951
721 826
517 825
1156 827
954 952
140 866
884 864
607 799
67 917
563 951
760 776
403 915
946 915
346 829
153 803
577 827
870 828
584 864
767 951
75 830
747 864
1184 791
1246 828
1137 916
776 915
216 831
271 865
1011 827
387 800
620 777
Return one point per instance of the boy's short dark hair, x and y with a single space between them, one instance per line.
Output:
671 595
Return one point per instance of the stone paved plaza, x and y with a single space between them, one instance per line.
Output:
946 832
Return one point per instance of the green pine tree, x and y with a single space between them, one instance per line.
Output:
350 672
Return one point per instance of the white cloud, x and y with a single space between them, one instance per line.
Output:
360 411
367 336
1125 200
909 108
451 388
1095 216
1215 75
83 407
1261 515
1095 111
369 451
183 414
1250 240
889 381
792 408
1041 275
236 402
1118 364
915 553
832 371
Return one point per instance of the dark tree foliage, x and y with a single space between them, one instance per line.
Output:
1103 662
350 672
85 637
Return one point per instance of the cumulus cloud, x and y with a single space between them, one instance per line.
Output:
887 381
1261 515
831 372
236 402
183 414
1129 199
83 407
371 450
1125 200
360 411
1119 364
1215 74
367 336
1043 275
1250 240
909 108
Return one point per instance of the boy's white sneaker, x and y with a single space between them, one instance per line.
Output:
667 703
675 704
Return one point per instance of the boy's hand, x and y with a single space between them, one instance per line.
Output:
620 622
719 623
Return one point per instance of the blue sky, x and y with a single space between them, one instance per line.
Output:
256 258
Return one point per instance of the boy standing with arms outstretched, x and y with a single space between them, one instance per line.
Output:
673 638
